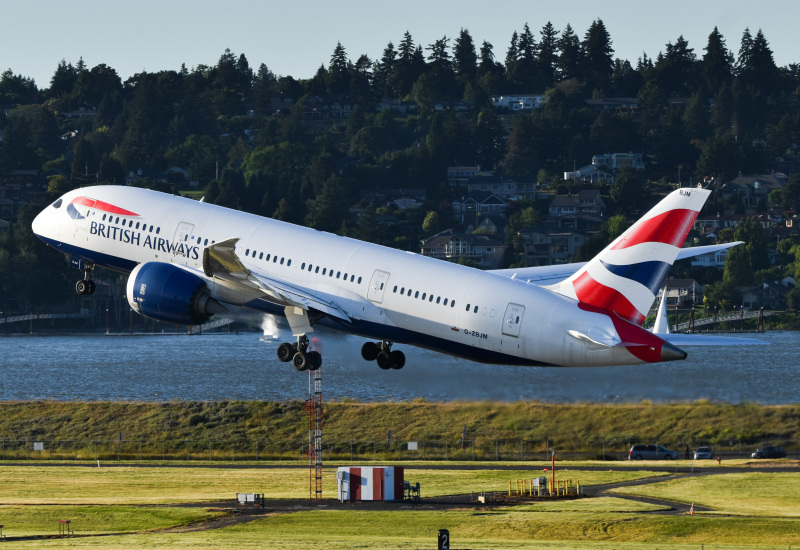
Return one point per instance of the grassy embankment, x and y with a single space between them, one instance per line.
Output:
280 429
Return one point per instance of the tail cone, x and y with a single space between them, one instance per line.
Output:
672 353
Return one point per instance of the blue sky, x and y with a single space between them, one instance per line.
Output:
295 38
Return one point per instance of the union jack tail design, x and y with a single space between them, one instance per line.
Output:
626 276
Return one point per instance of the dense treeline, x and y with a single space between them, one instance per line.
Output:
251 138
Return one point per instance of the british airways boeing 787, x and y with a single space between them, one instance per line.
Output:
189 260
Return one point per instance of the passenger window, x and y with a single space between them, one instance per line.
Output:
476 309
395 289
467 307
445 301
359 281
247 252
453 303
205 243
274 259
281 261
289 262
324 269
303 266
268 256
416 294
424 295
158 229
338 273
437 299
431 298
316 270
352 278
260 255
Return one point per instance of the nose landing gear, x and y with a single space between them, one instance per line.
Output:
86 285
382 353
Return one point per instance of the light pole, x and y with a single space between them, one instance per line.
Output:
106 321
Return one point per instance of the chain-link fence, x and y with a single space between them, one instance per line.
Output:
431 448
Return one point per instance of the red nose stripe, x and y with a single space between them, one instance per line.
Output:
104 206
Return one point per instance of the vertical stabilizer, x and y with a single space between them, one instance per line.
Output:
626 275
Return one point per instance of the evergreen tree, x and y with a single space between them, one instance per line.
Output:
548 56
63 80
599 56
339 71
570 57
717 63
465 61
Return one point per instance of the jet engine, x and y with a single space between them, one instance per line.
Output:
168 293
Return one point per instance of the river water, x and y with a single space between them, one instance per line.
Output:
244 367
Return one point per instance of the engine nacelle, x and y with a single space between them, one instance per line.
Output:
168 293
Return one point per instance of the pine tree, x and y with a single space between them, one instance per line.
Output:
717 63
570 58
599 56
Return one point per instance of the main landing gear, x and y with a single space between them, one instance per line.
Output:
86 285
298 354
382 353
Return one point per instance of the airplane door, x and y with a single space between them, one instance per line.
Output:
513 319
183 232
377 285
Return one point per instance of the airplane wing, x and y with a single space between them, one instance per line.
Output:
552 274
220 261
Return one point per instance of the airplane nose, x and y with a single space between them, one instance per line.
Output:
38 224
672 353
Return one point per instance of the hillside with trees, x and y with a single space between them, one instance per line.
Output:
318 151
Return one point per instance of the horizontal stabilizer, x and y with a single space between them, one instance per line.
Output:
709 340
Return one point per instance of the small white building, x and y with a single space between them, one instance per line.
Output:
524 102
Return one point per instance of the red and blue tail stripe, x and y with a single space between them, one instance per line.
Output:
626 276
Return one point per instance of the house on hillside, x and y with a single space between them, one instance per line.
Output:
510 188
585 202
753 191
683 292
484 250
478 203
521 102
770 295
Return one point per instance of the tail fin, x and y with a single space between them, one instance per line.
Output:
627 274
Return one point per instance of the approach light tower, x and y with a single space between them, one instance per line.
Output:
314 408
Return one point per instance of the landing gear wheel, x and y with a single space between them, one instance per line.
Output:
82 287
286 351
370 351
92 287
384 360
314 360
398 359
300 361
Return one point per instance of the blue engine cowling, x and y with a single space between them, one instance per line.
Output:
168 293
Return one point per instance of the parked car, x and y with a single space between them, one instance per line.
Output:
769 451
651 452
702 453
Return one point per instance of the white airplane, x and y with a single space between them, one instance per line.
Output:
189 260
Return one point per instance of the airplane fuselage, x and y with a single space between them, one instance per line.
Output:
386 294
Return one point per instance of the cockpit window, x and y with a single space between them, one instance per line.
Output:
57 204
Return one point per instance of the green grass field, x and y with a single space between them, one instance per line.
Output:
126 507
